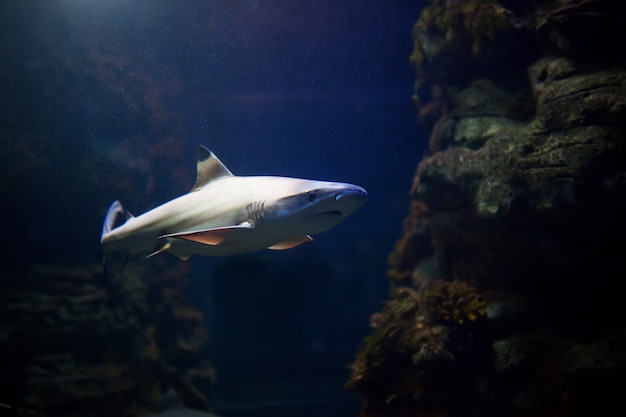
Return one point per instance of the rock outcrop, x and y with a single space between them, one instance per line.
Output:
519 205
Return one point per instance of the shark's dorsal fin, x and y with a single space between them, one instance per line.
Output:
209 168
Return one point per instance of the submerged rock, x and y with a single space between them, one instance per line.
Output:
71 342
521 198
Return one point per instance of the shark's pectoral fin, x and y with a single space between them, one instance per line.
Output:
216 236
292 243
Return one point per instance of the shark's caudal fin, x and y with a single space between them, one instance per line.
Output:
109 221
109 224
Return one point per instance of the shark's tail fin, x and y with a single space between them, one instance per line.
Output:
109 224
111 217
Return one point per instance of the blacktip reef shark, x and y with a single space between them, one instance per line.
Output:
225 214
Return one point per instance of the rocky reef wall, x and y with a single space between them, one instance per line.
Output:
505 284
75 109
75 345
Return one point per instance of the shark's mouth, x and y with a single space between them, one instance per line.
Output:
320 222
325 215
331 213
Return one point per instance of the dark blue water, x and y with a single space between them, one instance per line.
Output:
317 89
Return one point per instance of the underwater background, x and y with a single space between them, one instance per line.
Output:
482 276
109 100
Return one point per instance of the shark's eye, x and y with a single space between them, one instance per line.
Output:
311 196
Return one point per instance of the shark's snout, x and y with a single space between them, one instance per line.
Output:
348 199
355 193
341 202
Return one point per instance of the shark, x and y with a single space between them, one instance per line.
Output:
225 214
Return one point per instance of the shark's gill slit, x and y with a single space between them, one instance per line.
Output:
256 211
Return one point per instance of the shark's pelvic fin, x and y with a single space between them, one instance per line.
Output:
292 243
166 248
209 168
162 249
217 236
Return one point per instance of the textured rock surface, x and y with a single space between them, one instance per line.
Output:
72 343
522 197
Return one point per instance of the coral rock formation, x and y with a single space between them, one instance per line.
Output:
503 285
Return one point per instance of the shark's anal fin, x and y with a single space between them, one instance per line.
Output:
216 236
292 243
